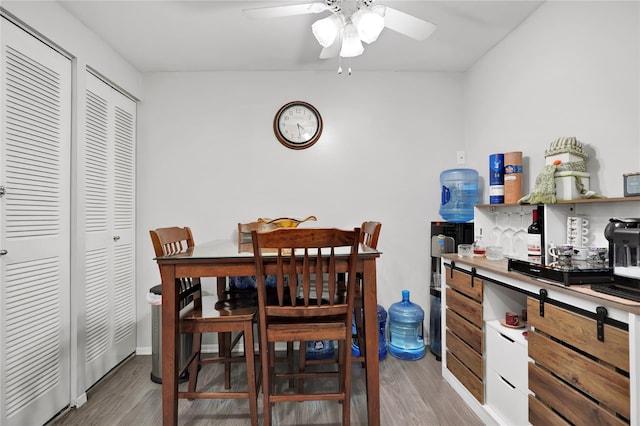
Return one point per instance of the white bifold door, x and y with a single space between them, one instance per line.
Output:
107 181
35 128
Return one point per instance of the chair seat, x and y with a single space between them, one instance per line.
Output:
212 309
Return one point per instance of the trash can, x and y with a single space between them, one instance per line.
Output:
184 340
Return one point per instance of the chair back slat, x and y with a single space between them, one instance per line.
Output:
305 269
370 231
175 240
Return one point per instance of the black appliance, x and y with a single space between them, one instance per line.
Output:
624 258
445 237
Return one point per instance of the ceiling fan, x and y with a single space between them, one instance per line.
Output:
349 24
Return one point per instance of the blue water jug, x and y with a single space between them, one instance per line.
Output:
320 349
382 335
406 333
459 194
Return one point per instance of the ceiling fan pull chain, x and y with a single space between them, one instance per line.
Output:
349 66
339 64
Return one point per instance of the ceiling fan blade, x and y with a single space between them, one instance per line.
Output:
408 25
290 10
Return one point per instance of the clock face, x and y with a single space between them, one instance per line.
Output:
297 125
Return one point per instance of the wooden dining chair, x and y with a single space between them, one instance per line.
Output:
299 312
209 314
369 235
245 245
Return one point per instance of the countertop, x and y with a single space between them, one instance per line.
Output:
583 291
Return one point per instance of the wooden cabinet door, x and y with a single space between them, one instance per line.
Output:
464 330
584 379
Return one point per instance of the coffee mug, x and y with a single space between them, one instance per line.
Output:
577 221
580 253
562 254
511 318
596 255
577 231
561 250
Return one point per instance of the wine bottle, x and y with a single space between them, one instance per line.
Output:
534 238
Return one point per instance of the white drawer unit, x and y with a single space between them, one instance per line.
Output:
507 373
507 353
508 403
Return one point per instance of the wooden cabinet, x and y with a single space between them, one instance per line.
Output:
464 330
576 375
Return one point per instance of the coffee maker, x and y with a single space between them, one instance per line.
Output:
624 247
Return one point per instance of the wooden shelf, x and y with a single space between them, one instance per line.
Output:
577 201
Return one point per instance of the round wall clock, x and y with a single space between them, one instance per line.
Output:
297 125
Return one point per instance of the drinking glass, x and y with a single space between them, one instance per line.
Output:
495 233
520 239
506 240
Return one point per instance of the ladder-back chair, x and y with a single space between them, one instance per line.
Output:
298 311
207 314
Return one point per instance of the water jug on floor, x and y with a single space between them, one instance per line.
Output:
459 194
320 349
382 335
406 335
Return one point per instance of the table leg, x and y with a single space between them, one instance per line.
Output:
370 307
170 348
224 338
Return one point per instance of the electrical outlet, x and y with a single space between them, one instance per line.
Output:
460 157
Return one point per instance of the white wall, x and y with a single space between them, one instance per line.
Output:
571 69
87 49
207 158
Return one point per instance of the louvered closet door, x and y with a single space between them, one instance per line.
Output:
34 232
108 175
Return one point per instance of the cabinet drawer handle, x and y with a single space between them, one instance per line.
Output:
543 297
601 315
506 381
507 337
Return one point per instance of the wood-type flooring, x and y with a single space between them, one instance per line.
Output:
411 393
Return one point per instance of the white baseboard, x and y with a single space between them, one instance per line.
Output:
80 401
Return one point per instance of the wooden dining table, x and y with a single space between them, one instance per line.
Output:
222 259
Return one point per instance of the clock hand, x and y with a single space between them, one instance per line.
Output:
306 134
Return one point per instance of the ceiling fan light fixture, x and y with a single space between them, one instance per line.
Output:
351 44
326 30
368 23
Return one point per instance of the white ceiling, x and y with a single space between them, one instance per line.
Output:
215 35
